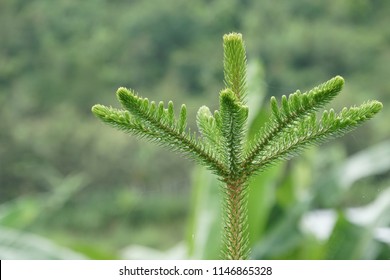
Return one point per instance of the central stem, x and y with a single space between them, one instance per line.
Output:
236 239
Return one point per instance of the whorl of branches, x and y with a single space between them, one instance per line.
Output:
220 142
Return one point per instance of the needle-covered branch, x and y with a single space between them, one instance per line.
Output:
311 132
158 124
292 110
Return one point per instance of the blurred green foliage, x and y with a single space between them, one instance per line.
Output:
97 195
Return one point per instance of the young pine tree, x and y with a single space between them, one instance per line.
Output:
220 144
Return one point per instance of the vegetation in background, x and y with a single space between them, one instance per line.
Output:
51 63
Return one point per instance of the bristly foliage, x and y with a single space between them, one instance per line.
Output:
293 124
221 145
234 64
158 124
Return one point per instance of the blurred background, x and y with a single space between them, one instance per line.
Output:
73 188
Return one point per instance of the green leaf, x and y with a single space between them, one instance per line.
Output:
347 241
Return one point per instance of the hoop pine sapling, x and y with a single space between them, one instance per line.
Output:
220 144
